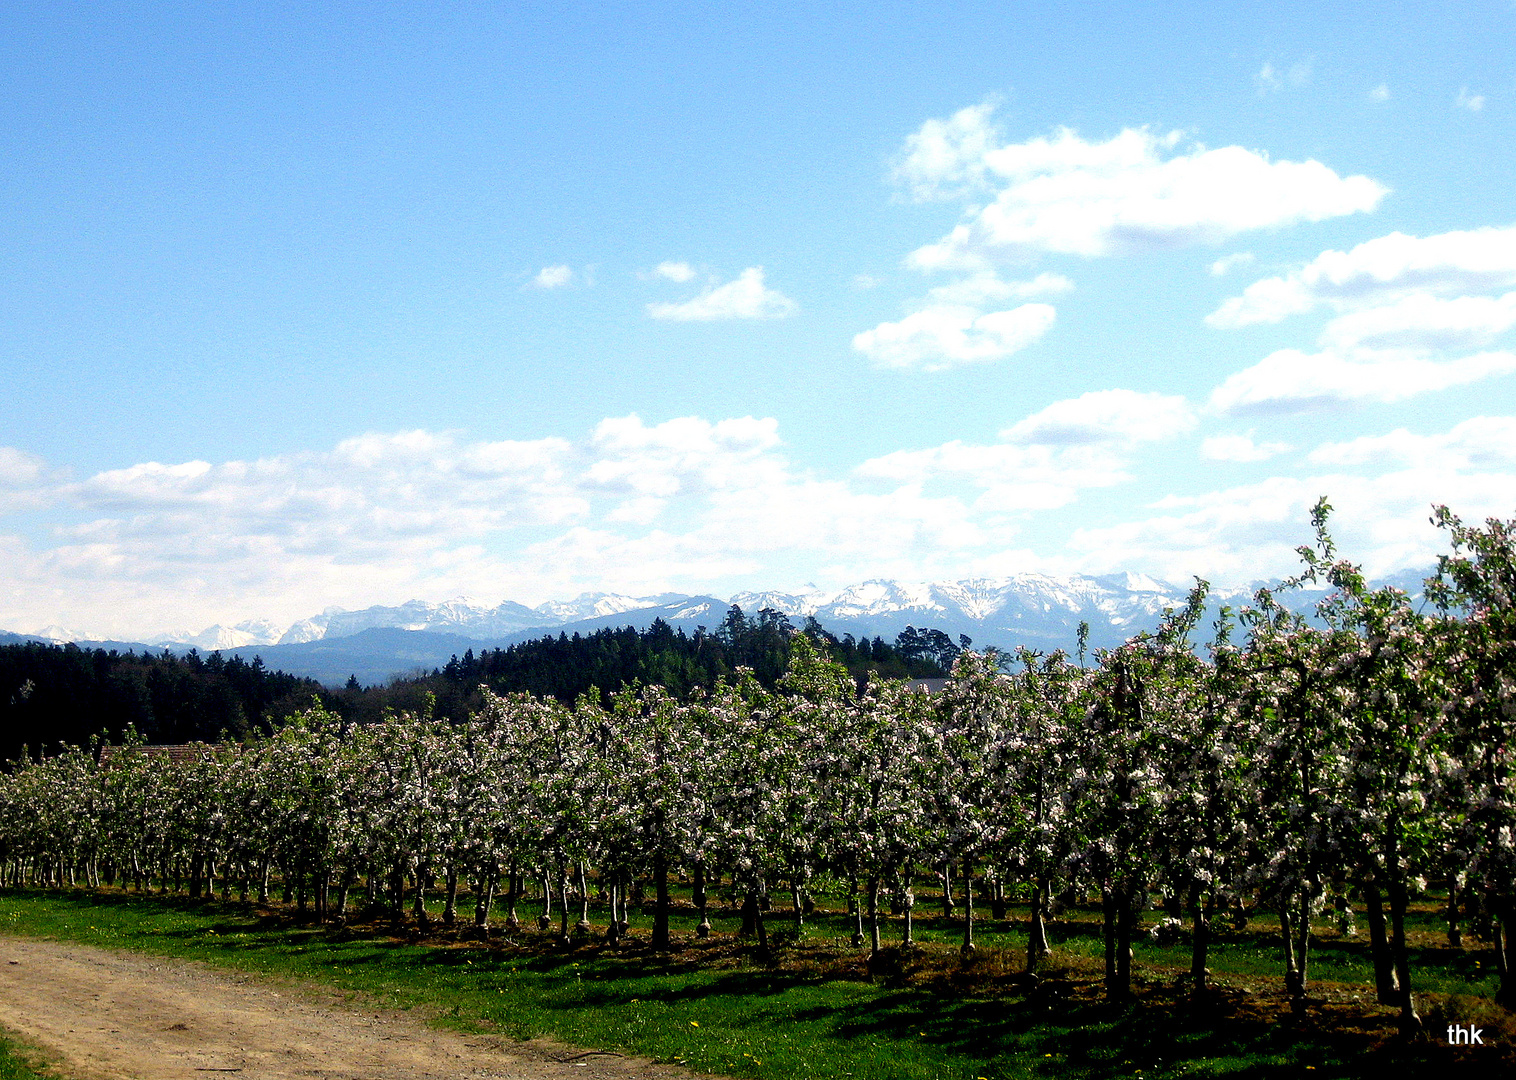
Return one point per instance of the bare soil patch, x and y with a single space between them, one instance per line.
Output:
113 1016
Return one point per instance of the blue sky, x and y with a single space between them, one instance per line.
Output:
338 305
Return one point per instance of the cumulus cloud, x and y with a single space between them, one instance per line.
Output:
1380 92
943 336
674 271
553 277
1224 265
744 297
1137 190
1478 444
1381 489
1124 417
1241 448
1290 380
1424 321
1378 271
1043 461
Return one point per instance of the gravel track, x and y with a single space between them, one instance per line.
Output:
112 1016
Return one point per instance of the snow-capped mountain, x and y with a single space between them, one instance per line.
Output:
1040 611
218 637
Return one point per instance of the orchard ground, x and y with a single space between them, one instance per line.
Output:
814 1009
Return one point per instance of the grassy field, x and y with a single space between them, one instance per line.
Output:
813 1012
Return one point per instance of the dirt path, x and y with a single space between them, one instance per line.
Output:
112 1016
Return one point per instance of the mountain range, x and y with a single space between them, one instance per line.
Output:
1040 611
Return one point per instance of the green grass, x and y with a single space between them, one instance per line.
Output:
713 1007
21 1061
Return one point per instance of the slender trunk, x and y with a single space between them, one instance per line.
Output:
418 905
348 877
749 914
661 907
583 926
450 909
763 930
613 928
1037 937
873 888
1410 1022
1455 933
1303 943
563 907
947 890
700 898
1202 944
545 920
515 885
798 912
1286 931
1108 917
1386 985
486 897
908 905
1126 899
968 907
997 899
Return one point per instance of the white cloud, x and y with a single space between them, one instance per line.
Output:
944 336
553 277
1471 102
1133 191
1290 380
1378 271
674 271
744 297
1224 265
986 287
1240 448
946 158
1046 459
1478 444
1249 532
1105 416
1380 92
1423 321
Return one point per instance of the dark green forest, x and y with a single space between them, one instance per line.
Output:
52 694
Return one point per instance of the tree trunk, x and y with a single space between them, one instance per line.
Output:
1037 937
450 909
661 905
1410 1022
947 890
1286 932
1455 933
908 904
968 908
873 888
486 898
583 926
799 911
749 914
1386 985
997 899
563 906
545 920
1201 945
700 898
1108 917
1121 987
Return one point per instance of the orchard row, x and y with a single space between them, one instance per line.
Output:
1281 763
